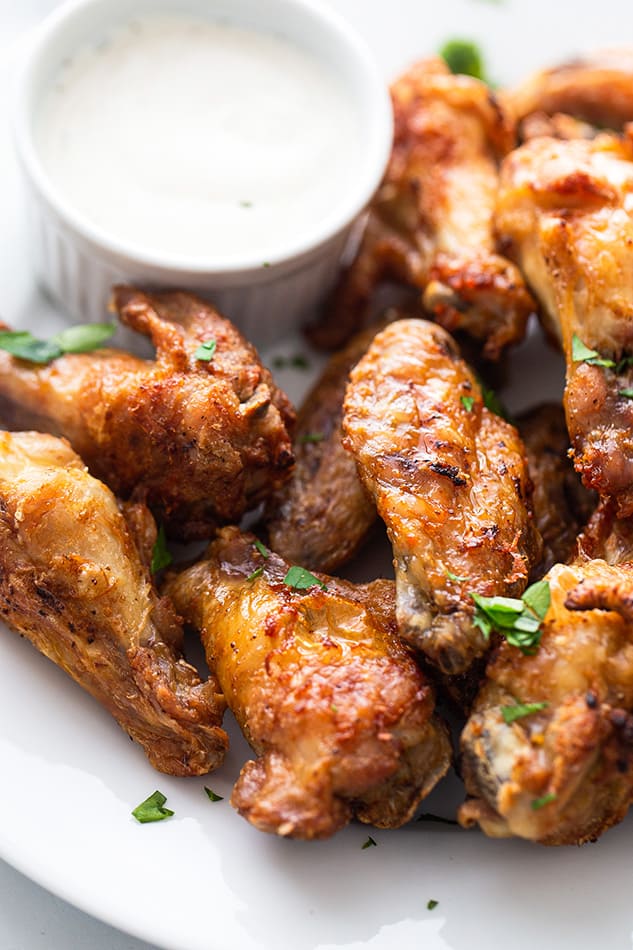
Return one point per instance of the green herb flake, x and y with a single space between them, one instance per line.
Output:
206 351
370 843
580 353
455 577
431 905
83 339
538 598
309 438
212 796
520 710
463 56
256 573
627 393
266 264
438 819
519 621
161 556
152 809
79 339
263 550
300 579
246 204
467 402
297 361
544 800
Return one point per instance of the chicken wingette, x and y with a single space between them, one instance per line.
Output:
74 583
339 715
430 224
200 440
450 481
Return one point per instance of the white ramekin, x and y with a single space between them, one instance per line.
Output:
77 263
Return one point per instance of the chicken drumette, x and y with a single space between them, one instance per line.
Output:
450 481
334 706
430 224
201 441
73 581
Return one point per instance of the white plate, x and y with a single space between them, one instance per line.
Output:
205 880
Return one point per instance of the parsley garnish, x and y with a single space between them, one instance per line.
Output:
518 620
211 795
463 56
427 816
544 800
627 393
301 579
79 339
455 577
370 843
431 905
467 402
309 437
298 361
246 204
263 550
256 573
519 710
206 351
161 556
152 809
580 353
266 264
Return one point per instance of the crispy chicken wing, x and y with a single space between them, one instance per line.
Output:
430 224
565 212
338 713
72 581
562 506
561 773
597 88
200 441
450 482
321 516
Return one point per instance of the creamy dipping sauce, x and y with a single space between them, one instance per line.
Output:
199 140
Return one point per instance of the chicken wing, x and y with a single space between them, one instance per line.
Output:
72 581
200 441
547 753
321 516
430 224
565 213
562 506
338 713
450 481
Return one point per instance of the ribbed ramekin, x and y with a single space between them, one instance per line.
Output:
77 262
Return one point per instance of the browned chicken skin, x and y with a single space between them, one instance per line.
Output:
72 581
200 442
338 713
430 224
565 213
450 482
321 516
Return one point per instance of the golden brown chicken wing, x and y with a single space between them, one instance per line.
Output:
565 214
430 224
547 753
72 581
321 516
338 713
200 441
450 482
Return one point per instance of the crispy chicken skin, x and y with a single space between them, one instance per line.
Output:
562 506
430 224
450 482
73 582
339 715
321 516
563 774
200 442
565 213
597 88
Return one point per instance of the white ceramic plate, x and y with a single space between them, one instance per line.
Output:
205 880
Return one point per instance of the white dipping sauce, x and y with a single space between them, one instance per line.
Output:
199 140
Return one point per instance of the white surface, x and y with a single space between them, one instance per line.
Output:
205 880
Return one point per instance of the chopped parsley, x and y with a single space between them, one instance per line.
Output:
79 339
263 550
463 56
467 402
370 843
627 393
580 353
161 556
246 204
212 796
152 809
301 579
311 437
542 801
206 351
455 577
520 710
256 573
431 905
519 621
297 361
